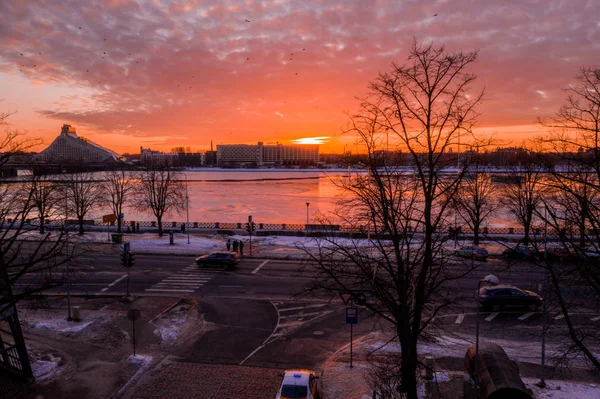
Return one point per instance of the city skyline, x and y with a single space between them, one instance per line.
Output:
162 75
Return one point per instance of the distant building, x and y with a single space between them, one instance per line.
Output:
151 157
210 158
68 148
234 155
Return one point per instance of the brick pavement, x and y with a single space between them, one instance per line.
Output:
208 381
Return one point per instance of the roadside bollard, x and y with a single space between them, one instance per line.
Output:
75 313
429 368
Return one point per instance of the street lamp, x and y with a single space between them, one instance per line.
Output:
542 382
491 279
307 204
187 208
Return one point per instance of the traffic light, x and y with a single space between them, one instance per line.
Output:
124 259
131 260
252 226
248 226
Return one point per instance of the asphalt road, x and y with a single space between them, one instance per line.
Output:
262 321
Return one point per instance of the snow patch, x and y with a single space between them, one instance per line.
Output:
557 389
62 325
142 360
46 369
169 328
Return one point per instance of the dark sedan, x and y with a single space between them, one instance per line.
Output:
520 252
498 297
227 259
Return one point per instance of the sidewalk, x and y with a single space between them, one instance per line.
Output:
341 381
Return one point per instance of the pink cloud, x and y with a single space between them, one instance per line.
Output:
185 68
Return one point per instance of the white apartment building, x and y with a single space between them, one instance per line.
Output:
260 154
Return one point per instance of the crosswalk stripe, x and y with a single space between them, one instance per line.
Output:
187 278
559 316
460 318
492 316
595 318
166 290
178 284
526 316
320 305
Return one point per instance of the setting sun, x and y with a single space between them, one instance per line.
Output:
312 140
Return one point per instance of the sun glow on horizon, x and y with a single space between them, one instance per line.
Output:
312 140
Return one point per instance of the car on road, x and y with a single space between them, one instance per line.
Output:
498 297
299 384
227 259
472 251
590 253
520 252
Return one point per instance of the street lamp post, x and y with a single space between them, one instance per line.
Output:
307 204
69 318
187 209
490 278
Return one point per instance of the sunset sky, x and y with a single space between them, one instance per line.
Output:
161 74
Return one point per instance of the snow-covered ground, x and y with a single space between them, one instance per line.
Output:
557 389
46 368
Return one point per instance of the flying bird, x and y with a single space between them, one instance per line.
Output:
247 59
303 49
435 15
80 27
247 20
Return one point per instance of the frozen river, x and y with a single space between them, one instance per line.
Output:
270 196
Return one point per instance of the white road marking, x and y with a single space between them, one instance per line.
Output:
192 279
460 318
559 316
166 290
266 340
113 283
320 305
492 316
595 318
526 316
180 284
230 286
259 267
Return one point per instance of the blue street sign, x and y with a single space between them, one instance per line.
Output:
351 316
121 216
126 247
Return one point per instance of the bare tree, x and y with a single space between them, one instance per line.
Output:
45 197
161 192
523 196
41 256
118 190
574 141
83 194
474 202
424 107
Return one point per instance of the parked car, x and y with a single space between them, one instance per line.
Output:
472 251
557 252
227 259
590 253
520 252
299 384
501 296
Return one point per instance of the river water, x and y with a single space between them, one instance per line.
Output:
270 196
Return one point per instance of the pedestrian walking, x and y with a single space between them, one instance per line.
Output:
235 246
241 248
228 244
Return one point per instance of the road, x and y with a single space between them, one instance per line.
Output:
261 319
